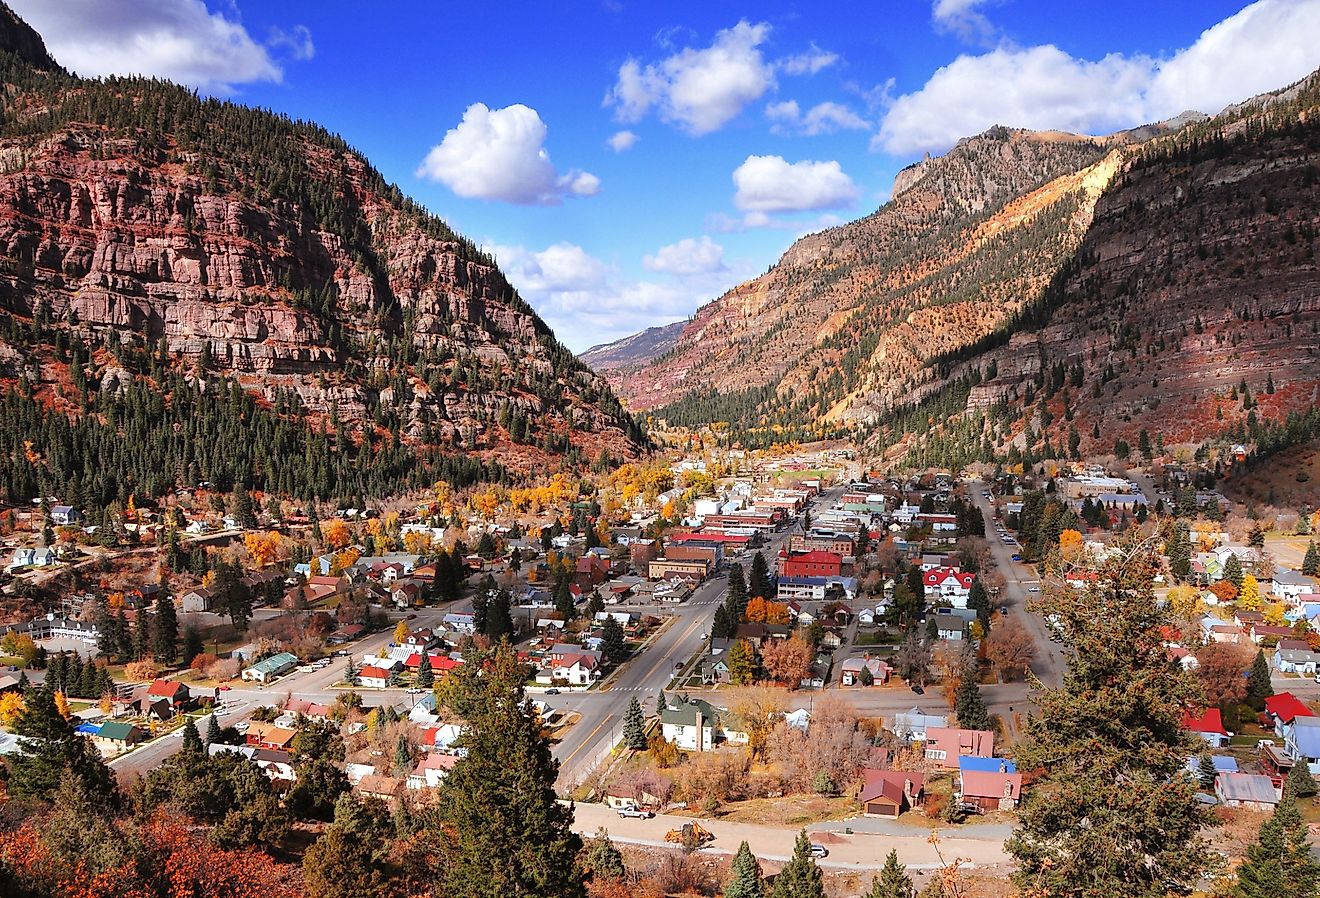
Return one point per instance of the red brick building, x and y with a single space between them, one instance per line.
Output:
816 563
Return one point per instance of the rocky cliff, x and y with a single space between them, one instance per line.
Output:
137 219
634 351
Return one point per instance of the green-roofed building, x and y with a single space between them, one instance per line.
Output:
268 669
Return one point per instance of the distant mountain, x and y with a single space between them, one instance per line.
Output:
259 278
634 351
1150 271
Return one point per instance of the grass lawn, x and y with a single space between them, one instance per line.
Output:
10 661
878 637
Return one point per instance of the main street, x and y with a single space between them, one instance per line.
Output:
1049 662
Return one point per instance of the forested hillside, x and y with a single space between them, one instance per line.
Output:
204 291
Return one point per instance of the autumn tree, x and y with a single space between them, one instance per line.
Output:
912 661
1009 647
1220 669
1249 594
1113 815
742 663
336 534
264 548
788 660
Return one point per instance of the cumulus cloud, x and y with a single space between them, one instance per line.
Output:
962 18
297 41
1268 44
176 39
810 62
588 302
622 141
824 118
687 257
698 90
499 154
767 185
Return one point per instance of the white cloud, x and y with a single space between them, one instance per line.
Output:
499 154
622 141
176 39
1267 45
809 63
687 257
587 301
698 90
823 118
768 185
296 40
962 18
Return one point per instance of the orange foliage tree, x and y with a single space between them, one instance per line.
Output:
263 547
335 533
788 660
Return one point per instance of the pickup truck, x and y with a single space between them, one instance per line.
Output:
633 811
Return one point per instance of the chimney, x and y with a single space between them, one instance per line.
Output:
907 790
1008 788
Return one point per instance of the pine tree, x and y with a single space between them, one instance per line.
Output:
425 673
978 600
1259 687
634 726
1311 563
1279 864
1206 772
1179 551
744 875
736 598
602 860
502 830
800 877
1071 837
499 619
141 636
893 881
192 740
758 583
968 703
165 642
192 645
612 641
212 729
1300 782
1233 570
49 748
123 635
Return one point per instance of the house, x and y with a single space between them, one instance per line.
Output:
996 789
64 515
268 735
386 788
430 770
1302 742
852 671
1283 708
888 793
950 627
1298 661
1209 726
592 570
1261 632
462 623
1290 586
172 691
421 639
199 599
1247 790
817 563
1222 764
947 744
715 668
114 737
914 724
866 617
373 677
949 583
40 557
691 724
268 669
579 668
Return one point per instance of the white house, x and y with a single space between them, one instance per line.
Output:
373 677
1297 661
1290 586
949 583
691 724
1302 742
913 724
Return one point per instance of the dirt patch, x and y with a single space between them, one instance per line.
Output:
791 810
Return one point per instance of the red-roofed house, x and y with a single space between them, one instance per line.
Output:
172 691
439 663
888 793
1284 708
946 744
592 570
991 790
1209 726
373 677
811 564
949 583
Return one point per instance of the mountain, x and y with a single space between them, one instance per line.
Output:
163 251
1127 263
635 351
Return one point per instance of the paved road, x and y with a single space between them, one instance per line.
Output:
601 724
1050 661
856 851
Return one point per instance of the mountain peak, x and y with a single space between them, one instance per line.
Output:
19 38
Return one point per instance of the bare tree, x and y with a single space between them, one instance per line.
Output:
1009 647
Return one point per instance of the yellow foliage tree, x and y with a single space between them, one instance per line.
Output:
418 543
335 533
374 526
62 705
1249 596
1185 602
1274 614
1070 543
11 705
114 601
263 547
444 498
400 632
485 503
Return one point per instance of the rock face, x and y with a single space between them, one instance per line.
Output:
269 252
635 351
1159 267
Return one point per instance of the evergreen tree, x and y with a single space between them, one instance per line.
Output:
1259 687
1092 742
722 627
601 860
612 642
142 635
564 602
893 881
634 726
425 673
758 583
107 642
501 828
481 610
349 860
968 704
499 618
1300 782
978 600
192 645
736 598
192 740
1311 563
212 729
1279 864
1206 773
1179 551
744 875
123 635
165 642
1233 570
800 877
49 749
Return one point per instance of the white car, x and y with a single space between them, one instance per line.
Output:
819 850
1035 587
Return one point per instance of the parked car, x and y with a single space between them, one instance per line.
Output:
634 811
552 691
1003 609
819 850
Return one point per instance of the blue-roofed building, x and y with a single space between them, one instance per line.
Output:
986 765
1223 764
88 729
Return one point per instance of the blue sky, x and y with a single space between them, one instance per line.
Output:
627 162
